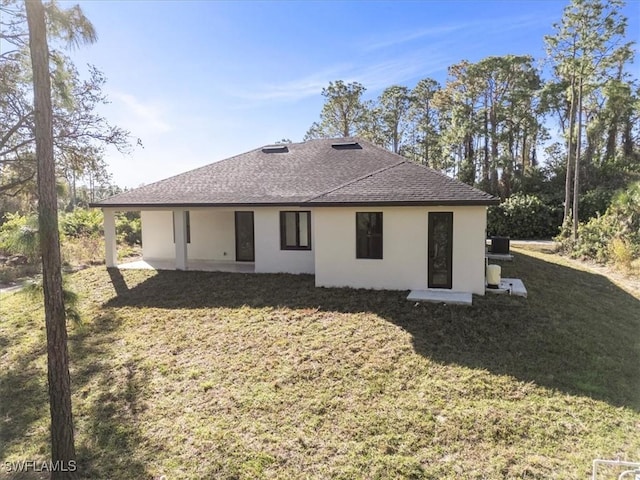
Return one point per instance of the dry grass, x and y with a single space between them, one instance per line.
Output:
84 250
215 375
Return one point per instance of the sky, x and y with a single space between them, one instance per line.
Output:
200 81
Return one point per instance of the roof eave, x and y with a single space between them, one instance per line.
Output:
139 206
381 203
407 203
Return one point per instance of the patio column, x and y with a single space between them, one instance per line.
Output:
111 254
180 229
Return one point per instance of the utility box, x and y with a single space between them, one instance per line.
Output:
500 245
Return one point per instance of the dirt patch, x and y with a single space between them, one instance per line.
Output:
628 282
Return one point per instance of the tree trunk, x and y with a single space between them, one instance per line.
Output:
567 183
487 161
62 439
396 141
526 161
73 190
493 118
627 140
612 137
612 133
576 179
426 134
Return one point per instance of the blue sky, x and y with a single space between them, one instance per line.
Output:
199 81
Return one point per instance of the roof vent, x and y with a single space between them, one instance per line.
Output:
346 145
275 149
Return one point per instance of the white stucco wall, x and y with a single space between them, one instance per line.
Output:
469 240
213 238
157 235
269 257
404 262
212 235
332 256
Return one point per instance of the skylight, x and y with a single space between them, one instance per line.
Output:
275 149
346 145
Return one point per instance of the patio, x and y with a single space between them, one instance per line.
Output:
196 265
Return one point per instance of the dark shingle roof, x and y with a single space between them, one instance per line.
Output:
311 173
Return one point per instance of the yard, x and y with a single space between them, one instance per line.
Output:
222 375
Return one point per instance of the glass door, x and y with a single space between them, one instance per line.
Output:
440 249
245 251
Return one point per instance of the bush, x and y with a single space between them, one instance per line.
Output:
82 222
612 237
129 228
593 240
19 235
82 229
594 202
522 216
622 253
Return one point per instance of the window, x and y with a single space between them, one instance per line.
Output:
173 224
369 235
295 230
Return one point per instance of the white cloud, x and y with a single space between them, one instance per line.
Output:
138 116
374 75
459 31
404 37
401 68
292 90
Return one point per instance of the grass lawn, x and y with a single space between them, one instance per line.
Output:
221 375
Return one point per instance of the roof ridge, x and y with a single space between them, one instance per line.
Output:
178 175
362 177
427 167
457 180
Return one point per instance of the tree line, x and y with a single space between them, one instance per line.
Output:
80 133
566 128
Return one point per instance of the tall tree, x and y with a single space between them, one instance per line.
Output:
510 85
423 118
372 127
80 134
394 104
343 113
461 123
585 50
62 436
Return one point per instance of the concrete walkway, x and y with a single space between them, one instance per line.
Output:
509 286
194 265
435 295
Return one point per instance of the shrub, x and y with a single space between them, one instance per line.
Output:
612 237
625 207
594 238
82 222
19 235
594 202
522 216
622 253
129 228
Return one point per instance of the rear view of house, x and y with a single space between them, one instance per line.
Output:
349 212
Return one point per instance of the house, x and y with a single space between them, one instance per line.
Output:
349 212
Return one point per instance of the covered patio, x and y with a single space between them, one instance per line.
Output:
181 261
